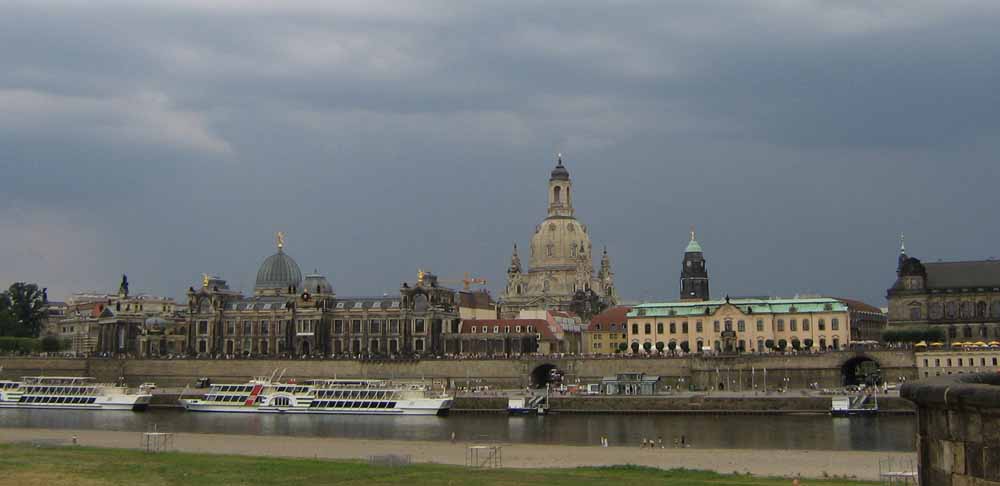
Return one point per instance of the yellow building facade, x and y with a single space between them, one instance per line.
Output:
606 331
739 325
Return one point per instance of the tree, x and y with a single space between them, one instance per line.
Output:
782 344
672 346
27 310
913 334
659 346
808 342
685 347
769 344
622 347
51 344
7 321
647 346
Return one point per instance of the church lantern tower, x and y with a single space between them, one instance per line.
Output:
694 275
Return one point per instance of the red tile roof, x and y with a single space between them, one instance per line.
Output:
540 326
614 315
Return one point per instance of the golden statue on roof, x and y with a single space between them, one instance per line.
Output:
281 239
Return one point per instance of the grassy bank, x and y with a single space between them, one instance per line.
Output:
26 465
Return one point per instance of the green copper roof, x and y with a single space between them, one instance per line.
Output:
693 247
756 306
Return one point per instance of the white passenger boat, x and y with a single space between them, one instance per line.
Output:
71 393
363 397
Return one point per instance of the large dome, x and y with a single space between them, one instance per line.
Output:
317 283
559 242
279 271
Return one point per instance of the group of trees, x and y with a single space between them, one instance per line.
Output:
22 310
913 334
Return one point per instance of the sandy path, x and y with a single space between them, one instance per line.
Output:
863 465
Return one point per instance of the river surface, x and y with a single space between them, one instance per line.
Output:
884 433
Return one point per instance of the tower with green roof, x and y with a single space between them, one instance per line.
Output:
694 275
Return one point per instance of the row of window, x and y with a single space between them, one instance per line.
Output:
952 310
779 326
967 331
350 404
496 329
962 361
58 390
356 394
309 326
374 346
741 345
59 400
338 346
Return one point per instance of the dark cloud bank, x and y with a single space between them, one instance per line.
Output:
169 139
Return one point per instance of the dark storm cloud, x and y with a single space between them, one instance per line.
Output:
174 137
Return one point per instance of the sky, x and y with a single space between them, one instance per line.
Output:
166 139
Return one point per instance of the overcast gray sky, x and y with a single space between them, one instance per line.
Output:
164 139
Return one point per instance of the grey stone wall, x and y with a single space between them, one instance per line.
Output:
959 429
747 370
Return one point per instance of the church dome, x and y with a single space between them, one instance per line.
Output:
559 242
559 173
279 271
317 284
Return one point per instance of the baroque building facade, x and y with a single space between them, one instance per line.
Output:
961 298
292 315
739 325
561 265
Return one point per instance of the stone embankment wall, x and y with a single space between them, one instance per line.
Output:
958 439
710 404
741 372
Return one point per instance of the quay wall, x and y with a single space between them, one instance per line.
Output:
737 372
710 404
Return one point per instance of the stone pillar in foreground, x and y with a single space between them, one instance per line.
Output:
958 435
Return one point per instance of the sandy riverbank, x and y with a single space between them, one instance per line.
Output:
863 465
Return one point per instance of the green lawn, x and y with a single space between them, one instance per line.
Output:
26 465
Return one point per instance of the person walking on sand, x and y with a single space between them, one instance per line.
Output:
453 437
659 441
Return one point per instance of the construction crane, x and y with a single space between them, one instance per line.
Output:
467 282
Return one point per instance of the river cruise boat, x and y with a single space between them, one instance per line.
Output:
361 397
72 393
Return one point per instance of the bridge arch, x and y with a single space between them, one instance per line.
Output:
543 374
861 369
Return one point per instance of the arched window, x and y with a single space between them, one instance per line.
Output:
967 310
951 310
981 309
557 194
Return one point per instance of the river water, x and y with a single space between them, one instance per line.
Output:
884 433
